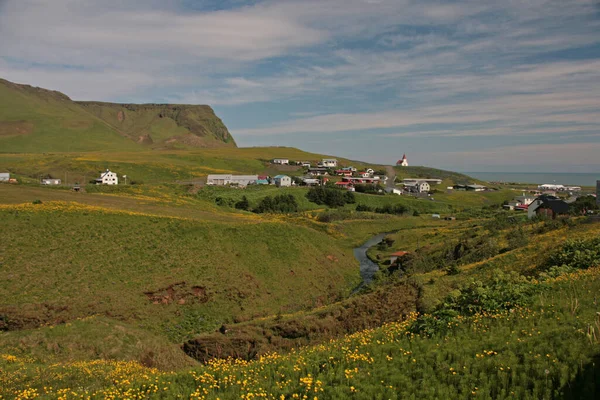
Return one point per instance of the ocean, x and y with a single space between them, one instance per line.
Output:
559 178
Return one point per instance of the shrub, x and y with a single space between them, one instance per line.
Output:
369 188
503 292
224 202
37 202
284 203
397 209
243 204
330 196
578 254
363 207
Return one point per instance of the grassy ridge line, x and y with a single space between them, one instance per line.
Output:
529 353
38 120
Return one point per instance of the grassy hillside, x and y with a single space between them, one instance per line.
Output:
156 166
173 276
38 120
543 345
35 120
448 177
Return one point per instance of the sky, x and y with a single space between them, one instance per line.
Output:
467 85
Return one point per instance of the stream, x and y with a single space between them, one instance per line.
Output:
367 267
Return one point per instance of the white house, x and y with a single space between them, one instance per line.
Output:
524 199
364 174
550 186
476 188
281 161
431 181
108 178
329 162
223 179
4 176
393 191
51 181
418 187
282 180
305 164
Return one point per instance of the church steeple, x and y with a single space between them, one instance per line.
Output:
403 162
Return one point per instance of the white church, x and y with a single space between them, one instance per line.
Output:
403 162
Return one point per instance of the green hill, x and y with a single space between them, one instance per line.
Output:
35 120
447 177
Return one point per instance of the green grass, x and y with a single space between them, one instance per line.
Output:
541 351
34 120
57 123
64 262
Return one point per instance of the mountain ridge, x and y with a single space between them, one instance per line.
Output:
34 119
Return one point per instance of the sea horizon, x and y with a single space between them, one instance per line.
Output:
559 178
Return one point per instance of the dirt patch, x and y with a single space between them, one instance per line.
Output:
15 128
179 293
145 139
251 339
33 316
120 116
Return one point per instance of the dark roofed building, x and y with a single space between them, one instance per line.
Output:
549 206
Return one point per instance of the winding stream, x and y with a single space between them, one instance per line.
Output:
367 267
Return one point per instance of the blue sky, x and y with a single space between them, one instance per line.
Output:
472 85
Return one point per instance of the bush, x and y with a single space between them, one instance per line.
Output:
363 207
284 203
397 209
503 292
243 204
37 202
577 254
369 188
224 202
330 196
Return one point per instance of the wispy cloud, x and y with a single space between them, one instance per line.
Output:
397 69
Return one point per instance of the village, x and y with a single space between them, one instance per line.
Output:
550 200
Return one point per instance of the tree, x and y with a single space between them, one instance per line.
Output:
243 204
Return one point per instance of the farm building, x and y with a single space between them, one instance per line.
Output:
395 256
393 191
51 181
282 180
281 161
4 176
431 181
549 206
476 188
262 180
329 163
239 180
108 178
317 171
417 187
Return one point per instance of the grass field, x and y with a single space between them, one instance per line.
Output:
174 276
543 350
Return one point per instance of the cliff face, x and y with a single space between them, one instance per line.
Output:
39 120
164 124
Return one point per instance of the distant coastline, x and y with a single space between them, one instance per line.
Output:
578 179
